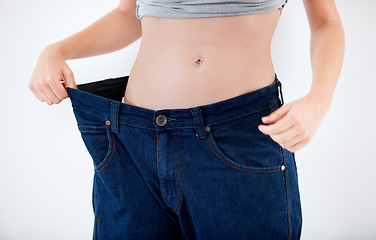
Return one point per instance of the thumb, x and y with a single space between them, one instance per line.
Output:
69 78
274 116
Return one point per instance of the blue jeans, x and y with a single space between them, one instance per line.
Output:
204 172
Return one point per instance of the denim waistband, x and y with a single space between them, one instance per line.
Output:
103 99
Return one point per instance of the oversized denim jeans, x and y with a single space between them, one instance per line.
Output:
204 172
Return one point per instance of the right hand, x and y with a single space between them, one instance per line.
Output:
50 69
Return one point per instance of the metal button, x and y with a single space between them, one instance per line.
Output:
283 167
108 122
161 120
207 128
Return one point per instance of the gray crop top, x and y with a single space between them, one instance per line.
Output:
204 8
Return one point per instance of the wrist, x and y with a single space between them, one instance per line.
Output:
324 100
56 48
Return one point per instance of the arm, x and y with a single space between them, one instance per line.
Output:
293 125
327 47
114 31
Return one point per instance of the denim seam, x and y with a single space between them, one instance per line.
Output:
131 125
175 168
159 175
113 151
287 195
280 148
249 113
296 168
89 113
101 127
173 128
95 228
207 137
177 144
94 210
215 123
114 116
272 107
85 131
136 126
92 129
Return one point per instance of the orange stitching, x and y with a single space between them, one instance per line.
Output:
177 134
113 151
234 166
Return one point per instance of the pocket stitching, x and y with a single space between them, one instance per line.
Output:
102 129
111 142
234 164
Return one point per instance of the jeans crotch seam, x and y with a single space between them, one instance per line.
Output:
159 176
177 144
287 196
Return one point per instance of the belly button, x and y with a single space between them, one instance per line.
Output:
198 61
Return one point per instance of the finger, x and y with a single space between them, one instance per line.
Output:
274 116
297 146
59 90
296 139
69 78
51 94
284 137
37 95
45 97
280 126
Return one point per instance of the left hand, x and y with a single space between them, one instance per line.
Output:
293 125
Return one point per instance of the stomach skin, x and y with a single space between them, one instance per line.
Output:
190 62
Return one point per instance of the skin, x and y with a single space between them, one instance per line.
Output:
295 123
235 54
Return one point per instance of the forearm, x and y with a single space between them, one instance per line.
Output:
327 53
110 33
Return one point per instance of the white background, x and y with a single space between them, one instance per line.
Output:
46 172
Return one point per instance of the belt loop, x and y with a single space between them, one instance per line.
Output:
199 122
114 116
279 85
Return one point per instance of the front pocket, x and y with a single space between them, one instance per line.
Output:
99 141
240 144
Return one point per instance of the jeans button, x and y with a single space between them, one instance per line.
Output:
161 120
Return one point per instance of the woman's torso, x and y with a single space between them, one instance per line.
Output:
235 54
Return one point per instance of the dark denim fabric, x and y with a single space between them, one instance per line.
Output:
204 172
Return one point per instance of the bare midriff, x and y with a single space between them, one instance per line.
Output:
190 62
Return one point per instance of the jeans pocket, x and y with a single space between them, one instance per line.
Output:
99 141
239 143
